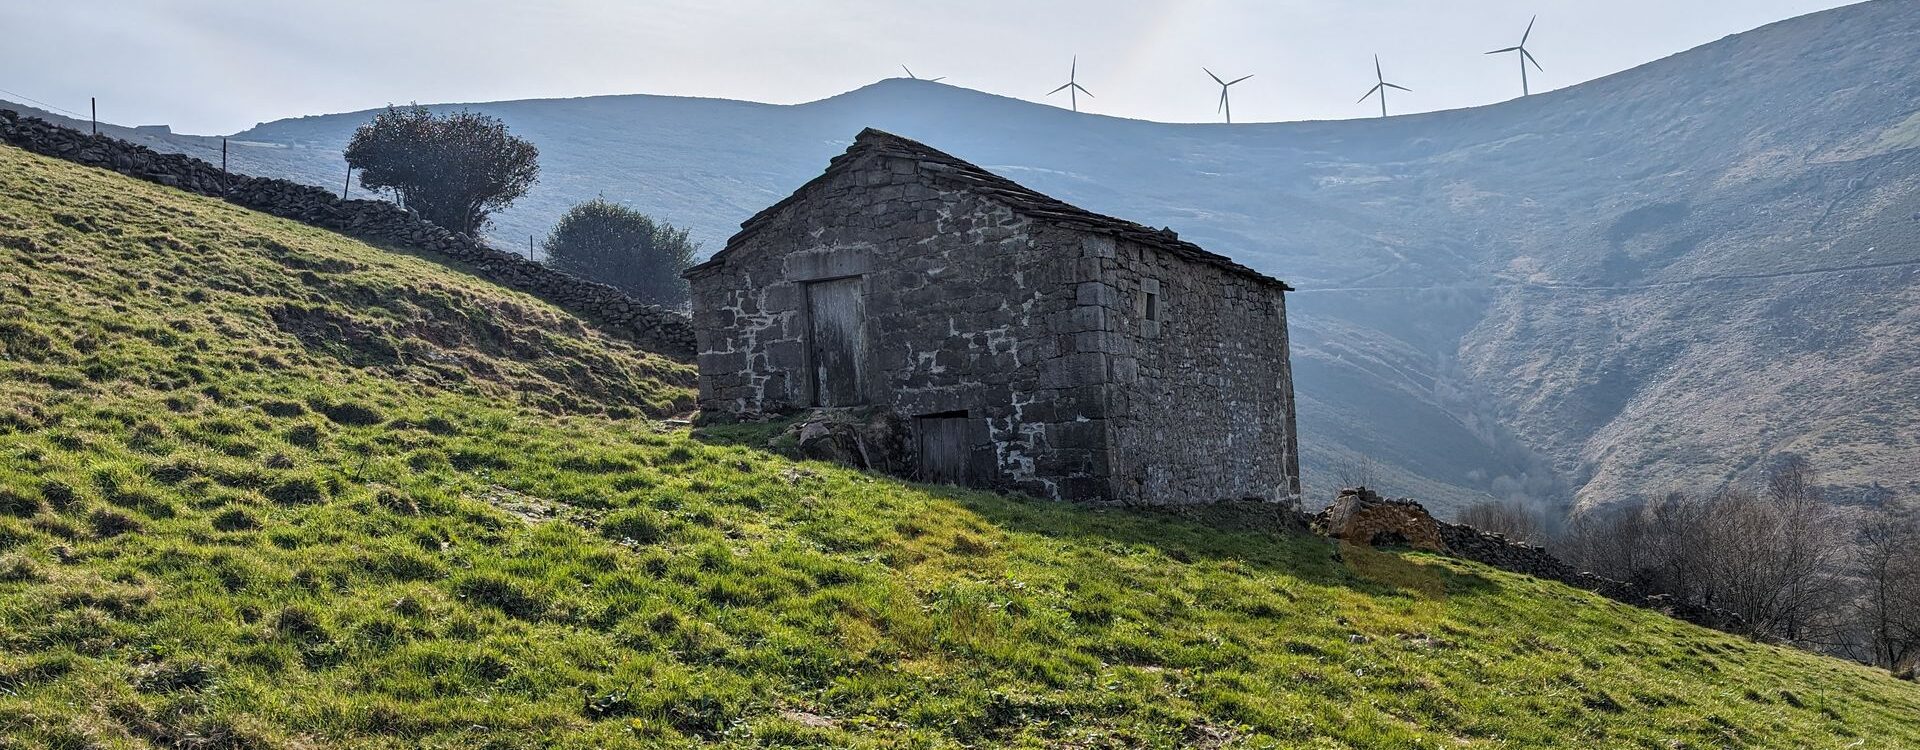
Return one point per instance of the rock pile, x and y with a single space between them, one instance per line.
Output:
379 222
869 439
1359 516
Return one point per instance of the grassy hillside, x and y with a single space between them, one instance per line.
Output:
1434 333
261 486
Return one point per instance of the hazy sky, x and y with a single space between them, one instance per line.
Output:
218 66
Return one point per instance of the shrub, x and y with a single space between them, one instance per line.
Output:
454 169
626 249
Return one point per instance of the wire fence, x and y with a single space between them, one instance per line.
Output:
43 105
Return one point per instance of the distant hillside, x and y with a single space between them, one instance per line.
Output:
262 486
1649 280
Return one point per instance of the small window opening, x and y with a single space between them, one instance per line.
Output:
1153 306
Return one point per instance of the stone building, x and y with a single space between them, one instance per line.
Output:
1028 345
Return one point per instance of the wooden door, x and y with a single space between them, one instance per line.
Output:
945 446
836 313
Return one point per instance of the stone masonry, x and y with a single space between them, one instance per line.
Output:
1031 345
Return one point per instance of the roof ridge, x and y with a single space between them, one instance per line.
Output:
1020 198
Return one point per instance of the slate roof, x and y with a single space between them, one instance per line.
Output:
939 165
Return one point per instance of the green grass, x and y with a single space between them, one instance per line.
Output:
420 511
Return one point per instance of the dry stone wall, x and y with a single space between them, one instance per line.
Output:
652 328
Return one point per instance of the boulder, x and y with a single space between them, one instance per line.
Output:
868 439
1360 516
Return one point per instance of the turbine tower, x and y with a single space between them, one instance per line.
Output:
918 78
1525 57
1382 86
1072 86
1225 105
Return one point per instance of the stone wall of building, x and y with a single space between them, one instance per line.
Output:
377 222
965 309
1202 409
986 299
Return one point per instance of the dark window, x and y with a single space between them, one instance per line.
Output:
1153 306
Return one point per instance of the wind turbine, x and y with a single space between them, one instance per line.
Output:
1072 87
1225 105
1382 86
1525 56
918 78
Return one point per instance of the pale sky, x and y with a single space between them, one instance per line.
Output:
219 66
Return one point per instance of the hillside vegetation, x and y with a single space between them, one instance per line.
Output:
1521 299
261 486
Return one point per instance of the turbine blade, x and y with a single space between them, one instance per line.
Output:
1529 56
1505 49
1376 69
1063 87
1396 86
1237 80
933 80
1216 79
1074 71
1523 37
1376 87
909 72
1084 90
1222 106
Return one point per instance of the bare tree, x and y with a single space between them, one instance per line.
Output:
1680 541
1611 541
1772 557
1793 546
1355 471
1512 519
1887 563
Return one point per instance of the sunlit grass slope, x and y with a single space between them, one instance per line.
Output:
261 486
